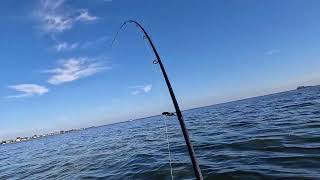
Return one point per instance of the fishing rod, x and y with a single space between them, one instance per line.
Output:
184 129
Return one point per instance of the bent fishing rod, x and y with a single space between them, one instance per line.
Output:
184 129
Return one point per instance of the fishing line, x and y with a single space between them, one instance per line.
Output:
156 80
179 115
124 25
163 117
131 141
115 37
168 146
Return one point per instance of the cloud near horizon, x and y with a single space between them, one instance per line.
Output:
141 89
73 69
28 90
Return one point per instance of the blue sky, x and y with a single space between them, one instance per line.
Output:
59 70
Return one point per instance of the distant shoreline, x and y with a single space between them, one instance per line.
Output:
23 139
36 136
304 87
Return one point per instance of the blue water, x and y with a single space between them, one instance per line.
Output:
269 137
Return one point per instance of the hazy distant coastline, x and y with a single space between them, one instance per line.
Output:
36 136
22 139
305 87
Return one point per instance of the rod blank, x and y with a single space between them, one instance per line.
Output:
184 129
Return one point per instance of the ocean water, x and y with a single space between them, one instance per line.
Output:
270 137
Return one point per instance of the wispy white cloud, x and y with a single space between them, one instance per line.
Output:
64 46
135 92
147 88
272 52
51 4
84 16
28 90
73 69
141 89
54 17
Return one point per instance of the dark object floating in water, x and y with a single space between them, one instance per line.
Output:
168 114
303 87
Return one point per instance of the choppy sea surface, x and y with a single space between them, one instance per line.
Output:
269 137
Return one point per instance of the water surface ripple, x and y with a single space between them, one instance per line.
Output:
270 137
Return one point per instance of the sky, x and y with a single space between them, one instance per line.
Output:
59 70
